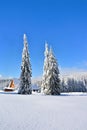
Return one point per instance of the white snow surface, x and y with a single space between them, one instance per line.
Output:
40 112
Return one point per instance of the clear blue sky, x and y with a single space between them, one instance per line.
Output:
63 23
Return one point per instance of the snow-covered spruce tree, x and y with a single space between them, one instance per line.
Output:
45 68
51 80
25 78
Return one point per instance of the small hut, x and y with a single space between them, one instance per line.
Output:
10 87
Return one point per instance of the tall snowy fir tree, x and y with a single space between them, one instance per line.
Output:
51 80
25 78
54 80
45 68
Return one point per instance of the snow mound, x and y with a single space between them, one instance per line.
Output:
74 94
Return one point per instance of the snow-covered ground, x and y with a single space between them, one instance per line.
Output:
39 112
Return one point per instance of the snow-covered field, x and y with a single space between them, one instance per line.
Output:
39 112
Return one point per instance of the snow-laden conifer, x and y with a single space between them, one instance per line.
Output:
45 68
25 78
51 80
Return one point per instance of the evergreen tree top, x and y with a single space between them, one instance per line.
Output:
51 54
46 49
25 38
25 49
51 51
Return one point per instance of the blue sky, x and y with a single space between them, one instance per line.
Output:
63 23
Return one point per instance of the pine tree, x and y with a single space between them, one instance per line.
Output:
51 81
25 78
45 68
